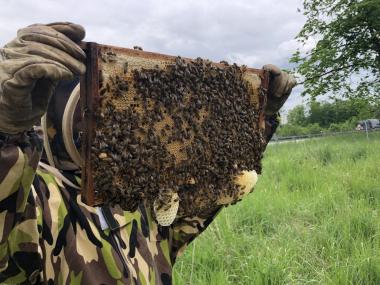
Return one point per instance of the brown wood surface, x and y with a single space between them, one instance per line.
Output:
89 93
163 57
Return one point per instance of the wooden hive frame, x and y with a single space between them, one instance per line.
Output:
90 102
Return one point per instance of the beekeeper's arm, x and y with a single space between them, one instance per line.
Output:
187 229
30 67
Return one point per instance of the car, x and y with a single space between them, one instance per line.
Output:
368 124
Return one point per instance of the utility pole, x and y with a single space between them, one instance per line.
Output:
366 128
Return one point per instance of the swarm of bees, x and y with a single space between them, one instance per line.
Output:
189 128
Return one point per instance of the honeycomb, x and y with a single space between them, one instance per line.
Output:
167 125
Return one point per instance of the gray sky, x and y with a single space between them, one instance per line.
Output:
251 32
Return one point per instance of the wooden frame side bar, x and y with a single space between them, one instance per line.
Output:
89 97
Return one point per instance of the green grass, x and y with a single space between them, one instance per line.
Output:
313 219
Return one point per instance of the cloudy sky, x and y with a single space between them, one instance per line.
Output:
251 32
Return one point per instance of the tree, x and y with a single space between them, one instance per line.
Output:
346 57
321 113
296 116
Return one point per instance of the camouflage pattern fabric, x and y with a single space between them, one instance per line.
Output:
48 236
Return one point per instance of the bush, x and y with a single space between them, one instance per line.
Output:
334 128
291 130
314 129
288 130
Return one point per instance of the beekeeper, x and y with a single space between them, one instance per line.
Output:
47 235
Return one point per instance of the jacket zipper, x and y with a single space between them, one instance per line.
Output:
116 243
119 250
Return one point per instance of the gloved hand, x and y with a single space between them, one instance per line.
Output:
31 66
280 87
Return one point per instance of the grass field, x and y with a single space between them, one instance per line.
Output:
314 218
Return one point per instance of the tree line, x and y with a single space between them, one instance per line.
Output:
339 115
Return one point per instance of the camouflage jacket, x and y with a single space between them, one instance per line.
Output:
48 236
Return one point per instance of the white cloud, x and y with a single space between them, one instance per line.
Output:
245 31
